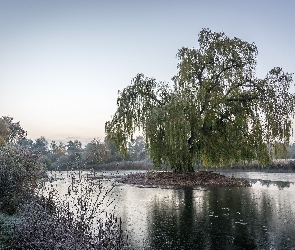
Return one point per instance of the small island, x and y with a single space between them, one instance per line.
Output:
194 179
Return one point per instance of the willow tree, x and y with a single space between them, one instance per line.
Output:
218 111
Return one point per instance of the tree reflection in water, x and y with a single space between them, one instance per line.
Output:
223 218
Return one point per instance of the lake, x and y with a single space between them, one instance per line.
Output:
257 217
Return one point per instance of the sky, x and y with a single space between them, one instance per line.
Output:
62 62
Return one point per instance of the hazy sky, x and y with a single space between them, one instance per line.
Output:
63 62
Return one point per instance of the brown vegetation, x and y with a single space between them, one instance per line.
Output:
200 178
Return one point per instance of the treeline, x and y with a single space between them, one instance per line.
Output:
62 156
103 154
99 154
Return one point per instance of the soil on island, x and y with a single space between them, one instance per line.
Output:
200 178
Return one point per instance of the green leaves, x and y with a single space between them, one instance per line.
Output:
218 111
135 106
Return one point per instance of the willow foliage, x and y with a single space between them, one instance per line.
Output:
217 113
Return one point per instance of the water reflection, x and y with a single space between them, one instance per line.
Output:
235 218
260 217
280 180
275 184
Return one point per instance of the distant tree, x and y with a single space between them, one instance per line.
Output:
53 152
27 143
40 146
96 152
113 155
74 149
10 131
136 149
61 149
74 146
53 147
57 149
46 162
217 113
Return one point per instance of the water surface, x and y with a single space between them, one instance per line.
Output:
259 217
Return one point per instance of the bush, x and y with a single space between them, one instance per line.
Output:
20 174
77 221
48 220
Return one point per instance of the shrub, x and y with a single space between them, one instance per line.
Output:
20 174
77 220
